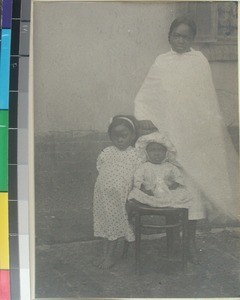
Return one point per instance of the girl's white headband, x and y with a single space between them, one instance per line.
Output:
126 119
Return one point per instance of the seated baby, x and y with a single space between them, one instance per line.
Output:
158 181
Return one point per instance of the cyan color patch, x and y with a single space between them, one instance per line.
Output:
5 68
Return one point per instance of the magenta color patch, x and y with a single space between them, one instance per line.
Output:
5 285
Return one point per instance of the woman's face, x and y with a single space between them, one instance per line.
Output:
181 38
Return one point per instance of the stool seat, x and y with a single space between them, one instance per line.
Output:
175 218
147 209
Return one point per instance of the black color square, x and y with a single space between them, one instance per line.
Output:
13 217
14 256
12 146
15 37
12 175
15 284
14 73
13 110
16 8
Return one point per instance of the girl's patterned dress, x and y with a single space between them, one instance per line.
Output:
115 180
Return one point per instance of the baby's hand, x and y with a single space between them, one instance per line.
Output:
174 186
148 192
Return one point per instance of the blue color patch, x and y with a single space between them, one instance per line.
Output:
6 13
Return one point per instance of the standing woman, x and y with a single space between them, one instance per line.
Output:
179 97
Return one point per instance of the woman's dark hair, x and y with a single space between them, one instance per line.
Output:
127 120
183 20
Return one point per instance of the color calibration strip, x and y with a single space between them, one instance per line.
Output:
14 233
5 291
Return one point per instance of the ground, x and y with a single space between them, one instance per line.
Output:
66 270
65 165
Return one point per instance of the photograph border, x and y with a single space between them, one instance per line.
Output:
31 134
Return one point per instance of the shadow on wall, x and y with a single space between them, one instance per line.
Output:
65 174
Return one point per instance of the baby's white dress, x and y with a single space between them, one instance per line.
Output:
115 180
158 178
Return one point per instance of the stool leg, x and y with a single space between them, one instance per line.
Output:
137 242
173 235
169 233
170 236
185 240
125 249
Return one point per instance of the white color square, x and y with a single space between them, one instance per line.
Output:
22 146
22 110
22 182
23 251
24 284
23 219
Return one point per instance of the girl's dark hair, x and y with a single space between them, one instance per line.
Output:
132 124
183 20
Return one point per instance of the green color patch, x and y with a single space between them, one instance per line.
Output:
3 150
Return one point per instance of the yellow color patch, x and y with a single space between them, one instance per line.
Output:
4 232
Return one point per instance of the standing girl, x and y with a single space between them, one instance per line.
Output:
116 165
179 97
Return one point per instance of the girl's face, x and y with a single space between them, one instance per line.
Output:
181 38
156 153
122 137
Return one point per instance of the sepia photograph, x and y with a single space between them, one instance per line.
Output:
136 149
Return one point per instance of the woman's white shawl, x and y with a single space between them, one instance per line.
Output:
179 97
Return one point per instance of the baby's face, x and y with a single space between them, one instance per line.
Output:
156 153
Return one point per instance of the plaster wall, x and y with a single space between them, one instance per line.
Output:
90 62
90 59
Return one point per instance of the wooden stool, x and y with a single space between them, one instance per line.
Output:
136 210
